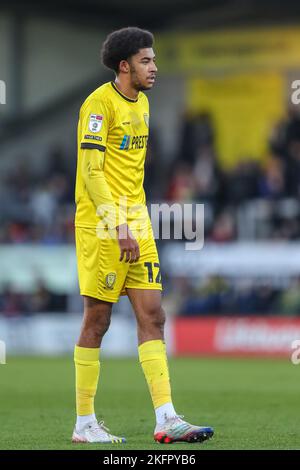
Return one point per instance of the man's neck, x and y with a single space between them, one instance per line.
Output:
126 89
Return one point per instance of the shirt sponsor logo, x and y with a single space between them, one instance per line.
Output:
134 142
125 142
95 123
139 141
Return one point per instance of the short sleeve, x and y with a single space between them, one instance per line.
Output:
95 119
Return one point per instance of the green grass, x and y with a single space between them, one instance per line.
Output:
252 404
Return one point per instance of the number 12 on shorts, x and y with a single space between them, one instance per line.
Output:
151 267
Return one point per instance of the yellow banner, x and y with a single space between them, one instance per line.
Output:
244 108
241 49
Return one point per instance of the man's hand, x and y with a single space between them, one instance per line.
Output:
128 244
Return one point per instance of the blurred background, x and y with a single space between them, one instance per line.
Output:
224 132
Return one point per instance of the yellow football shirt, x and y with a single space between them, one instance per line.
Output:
117 126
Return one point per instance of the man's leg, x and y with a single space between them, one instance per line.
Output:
152 353
101 276
95 323
152 349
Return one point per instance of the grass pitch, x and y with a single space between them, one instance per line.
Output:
251 403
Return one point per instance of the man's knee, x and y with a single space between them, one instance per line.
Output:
101 324
96 319
154 316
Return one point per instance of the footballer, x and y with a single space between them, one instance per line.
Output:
115 246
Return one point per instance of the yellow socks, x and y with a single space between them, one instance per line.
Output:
153 359
87 367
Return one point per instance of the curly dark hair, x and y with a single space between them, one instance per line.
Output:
124 43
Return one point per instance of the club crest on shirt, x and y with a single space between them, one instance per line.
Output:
95 123
146 119
110 280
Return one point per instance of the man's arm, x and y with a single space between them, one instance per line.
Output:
100 194
97 187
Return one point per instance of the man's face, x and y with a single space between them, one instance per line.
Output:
143 69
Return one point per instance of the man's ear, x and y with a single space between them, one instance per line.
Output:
124 66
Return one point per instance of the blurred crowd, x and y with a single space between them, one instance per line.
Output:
217 295
14 303
198 176
39 208
183 296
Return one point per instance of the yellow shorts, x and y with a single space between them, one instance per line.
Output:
101 274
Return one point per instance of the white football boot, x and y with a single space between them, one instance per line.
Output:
177 430
96 432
